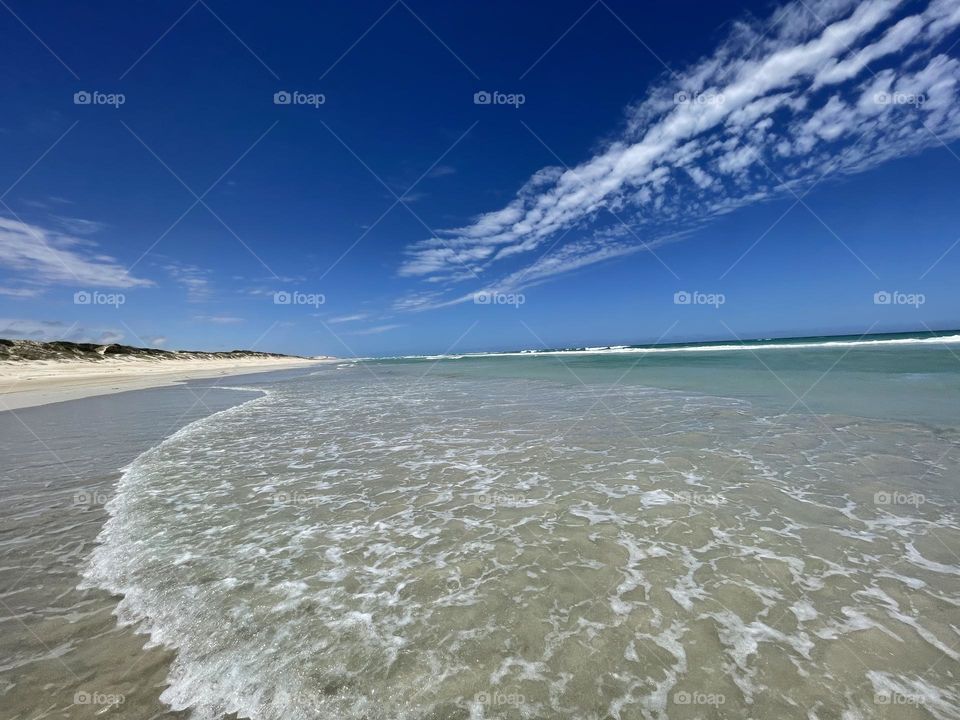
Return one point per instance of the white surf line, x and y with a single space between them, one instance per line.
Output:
624 350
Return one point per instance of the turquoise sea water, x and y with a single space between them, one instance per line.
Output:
909 376
762 533
614 533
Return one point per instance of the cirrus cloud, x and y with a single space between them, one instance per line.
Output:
42 257
825 88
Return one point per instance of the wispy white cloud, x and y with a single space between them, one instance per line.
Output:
349 318
47 330
219 319
78 226
47 203
376 330
441 171
42 257
424 300
19 292
825 88
196 280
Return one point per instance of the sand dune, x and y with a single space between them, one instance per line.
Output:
33 373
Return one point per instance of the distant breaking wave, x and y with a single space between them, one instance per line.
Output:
367 546
700 347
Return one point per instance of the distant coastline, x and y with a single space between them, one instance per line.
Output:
925 337
38 373
25 350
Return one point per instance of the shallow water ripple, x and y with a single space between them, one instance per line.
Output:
346 549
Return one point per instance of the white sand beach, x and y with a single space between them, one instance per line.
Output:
39 382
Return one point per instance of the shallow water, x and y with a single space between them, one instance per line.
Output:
61 652
441 540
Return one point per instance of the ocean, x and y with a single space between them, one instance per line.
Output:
700 531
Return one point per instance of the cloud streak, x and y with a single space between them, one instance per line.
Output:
219 319
47 330
42 257
195 280
376 330
349 318
824 89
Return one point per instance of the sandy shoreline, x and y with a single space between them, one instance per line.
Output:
40 382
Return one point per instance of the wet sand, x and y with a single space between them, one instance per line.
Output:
30 383
64 655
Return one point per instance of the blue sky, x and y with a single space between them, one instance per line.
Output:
642 172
